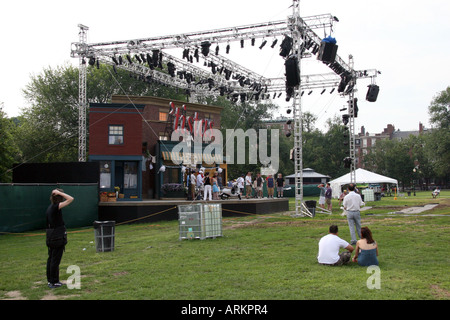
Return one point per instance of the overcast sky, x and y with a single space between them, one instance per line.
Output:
406 40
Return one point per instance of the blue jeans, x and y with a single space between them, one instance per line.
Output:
354 220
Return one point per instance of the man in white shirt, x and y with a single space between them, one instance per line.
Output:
329 247
240 184
352 205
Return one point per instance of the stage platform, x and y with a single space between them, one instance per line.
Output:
145 211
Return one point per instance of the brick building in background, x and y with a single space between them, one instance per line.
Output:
128 137
364 140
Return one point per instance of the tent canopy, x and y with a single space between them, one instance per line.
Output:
362 177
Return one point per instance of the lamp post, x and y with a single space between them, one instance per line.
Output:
414 180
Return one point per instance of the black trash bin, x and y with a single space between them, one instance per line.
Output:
311 205
104 235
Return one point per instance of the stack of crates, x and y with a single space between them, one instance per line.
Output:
200 221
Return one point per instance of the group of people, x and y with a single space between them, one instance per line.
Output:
366 250
246 184
325 196
210 184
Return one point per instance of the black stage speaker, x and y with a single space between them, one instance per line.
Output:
327 52
372 93
292 72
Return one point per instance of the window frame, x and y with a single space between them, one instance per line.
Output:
111 135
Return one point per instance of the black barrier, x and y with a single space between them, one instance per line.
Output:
23 206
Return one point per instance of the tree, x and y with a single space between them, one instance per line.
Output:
8 148
438 141
48 128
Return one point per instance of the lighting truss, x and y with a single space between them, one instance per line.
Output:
220 75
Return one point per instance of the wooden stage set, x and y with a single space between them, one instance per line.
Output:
124 212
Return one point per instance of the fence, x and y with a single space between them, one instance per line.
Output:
23 206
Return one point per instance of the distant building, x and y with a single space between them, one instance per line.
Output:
309 177
364 140
281 122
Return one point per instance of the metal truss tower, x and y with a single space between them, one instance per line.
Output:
82 99
147 57
297 36
352 105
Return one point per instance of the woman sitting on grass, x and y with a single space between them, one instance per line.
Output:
366 249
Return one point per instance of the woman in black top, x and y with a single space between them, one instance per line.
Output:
56 235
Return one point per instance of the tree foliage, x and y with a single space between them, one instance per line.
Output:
8 147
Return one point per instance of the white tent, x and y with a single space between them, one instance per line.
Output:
362 177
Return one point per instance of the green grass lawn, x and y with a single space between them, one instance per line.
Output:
259 257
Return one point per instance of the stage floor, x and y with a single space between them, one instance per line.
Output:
157 210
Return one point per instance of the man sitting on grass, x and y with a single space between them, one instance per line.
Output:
329 247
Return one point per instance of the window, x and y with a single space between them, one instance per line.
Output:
130 175
105 174
163 116
115 134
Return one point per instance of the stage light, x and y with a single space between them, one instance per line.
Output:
372 93
120 60
289 122
288 134
355 107
309 93
129 59
323 91
345 119
253 41
91 61
205 48
274 43
217 50
292 72
171 68
288 111
196 55
347 162
263 44
228 49
332 90
138 58
242 43
286 46
115 60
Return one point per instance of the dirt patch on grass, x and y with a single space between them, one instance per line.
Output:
439 292
14 295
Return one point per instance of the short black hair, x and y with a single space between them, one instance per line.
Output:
351 187
333 229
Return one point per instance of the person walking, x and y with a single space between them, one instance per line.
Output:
56 235
352 205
